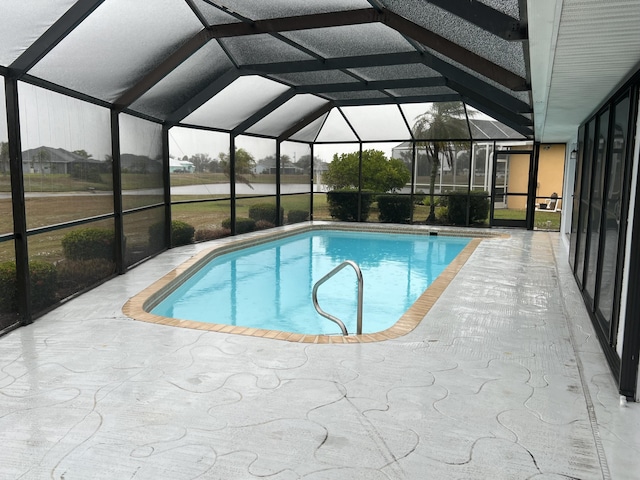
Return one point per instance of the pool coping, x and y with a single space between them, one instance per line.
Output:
137 306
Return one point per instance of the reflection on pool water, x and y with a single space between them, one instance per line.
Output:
269 285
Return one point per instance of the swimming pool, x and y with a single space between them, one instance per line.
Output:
268 286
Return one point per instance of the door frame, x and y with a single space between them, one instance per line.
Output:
530 194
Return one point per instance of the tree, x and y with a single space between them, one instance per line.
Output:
443 121
41 157
244 163
82 153
379 174
304 162
83 170
201 161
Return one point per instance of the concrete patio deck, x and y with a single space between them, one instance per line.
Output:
503 379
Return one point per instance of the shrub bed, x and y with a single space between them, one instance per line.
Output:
243 225
264 225
205 234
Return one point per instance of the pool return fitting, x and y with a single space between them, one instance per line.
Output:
360 292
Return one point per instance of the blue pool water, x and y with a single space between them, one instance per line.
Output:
269 285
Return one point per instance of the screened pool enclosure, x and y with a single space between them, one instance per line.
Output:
120 118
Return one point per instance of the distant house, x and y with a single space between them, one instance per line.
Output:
139 164
268 166
181 166
56 160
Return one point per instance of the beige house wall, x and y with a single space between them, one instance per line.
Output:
518 181
550 175
550 172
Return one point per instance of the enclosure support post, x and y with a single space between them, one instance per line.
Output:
18 202
117 193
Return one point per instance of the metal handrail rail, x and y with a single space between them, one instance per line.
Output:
360 292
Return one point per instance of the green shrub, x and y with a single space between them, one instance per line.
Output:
75 275
206 234
394 208
265 211
478 202
442 214
343 205
156 236
43 277
419 198
181 234
296 216
43 281
88 243
8 287
264 225
243 225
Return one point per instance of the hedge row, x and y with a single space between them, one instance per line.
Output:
393 208
43 282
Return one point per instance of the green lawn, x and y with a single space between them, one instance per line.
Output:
541 220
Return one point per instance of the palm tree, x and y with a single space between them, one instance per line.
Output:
443 121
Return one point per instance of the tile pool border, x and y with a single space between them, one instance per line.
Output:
138 306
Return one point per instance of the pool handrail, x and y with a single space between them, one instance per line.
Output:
360 293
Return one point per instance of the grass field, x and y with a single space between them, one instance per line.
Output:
45 211
58 182
541 220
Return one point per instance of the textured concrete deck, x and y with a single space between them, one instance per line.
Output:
503 379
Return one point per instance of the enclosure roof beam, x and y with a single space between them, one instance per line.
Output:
338 63
407 28
455 52
447 97
54 35
520 124
374 85
485 17
263 112
203 97
306 120
460 80
495 106
166 67
299 22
